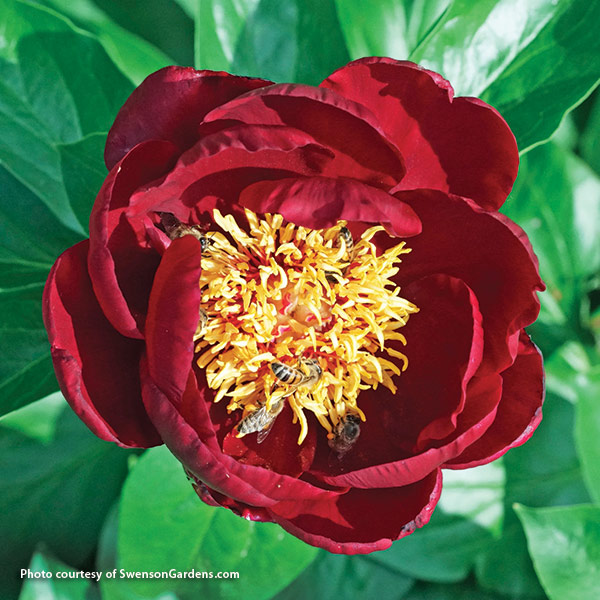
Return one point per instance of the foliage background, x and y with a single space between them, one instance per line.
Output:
524 527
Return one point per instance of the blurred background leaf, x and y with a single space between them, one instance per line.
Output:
54 588
556 199
135 56
470 510
565 547
296 40
544 472
58 85
57 483
187 534
350 577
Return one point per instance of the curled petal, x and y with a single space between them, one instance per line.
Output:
121 260
519 412
459 145
215 171
170 105
319 202
361 520
173 315
96 367
345 127
197 447
483 397
446 341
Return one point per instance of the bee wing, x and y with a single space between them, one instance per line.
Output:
273 413
262 435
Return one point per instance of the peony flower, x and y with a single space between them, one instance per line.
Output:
307 293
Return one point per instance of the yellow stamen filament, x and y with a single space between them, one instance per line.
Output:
288 294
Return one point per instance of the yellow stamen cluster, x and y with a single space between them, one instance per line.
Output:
289 294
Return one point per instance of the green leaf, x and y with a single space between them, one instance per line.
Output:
590 138
388 27
31 239
444 550
53 587
587 429
56 85
31 235
534 61
219 25
348 577
565 546
162 23
136 57
187 534
556 199
56 485
476 494
26 371
466 590
574 372
83 172
462 526
295 41
543 472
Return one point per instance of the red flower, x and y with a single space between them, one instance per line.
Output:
237 278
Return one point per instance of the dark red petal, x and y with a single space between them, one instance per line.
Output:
333 121
319 202
199 409
198 449
483 397
215 171
170 105
122 262
519 412
361 521
445 347
462 146
96 367
279 451
490 254
173 316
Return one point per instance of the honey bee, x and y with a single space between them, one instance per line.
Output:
345 433
296 377
260 421
201 323
174 228
344 234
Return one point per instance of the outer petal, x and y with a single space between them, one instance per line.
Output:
121 261
462 146
96 366
361 521
170 105
519 412
319 202
490 254
198 449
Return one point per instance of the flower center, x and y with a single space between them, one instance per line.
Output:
290 314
